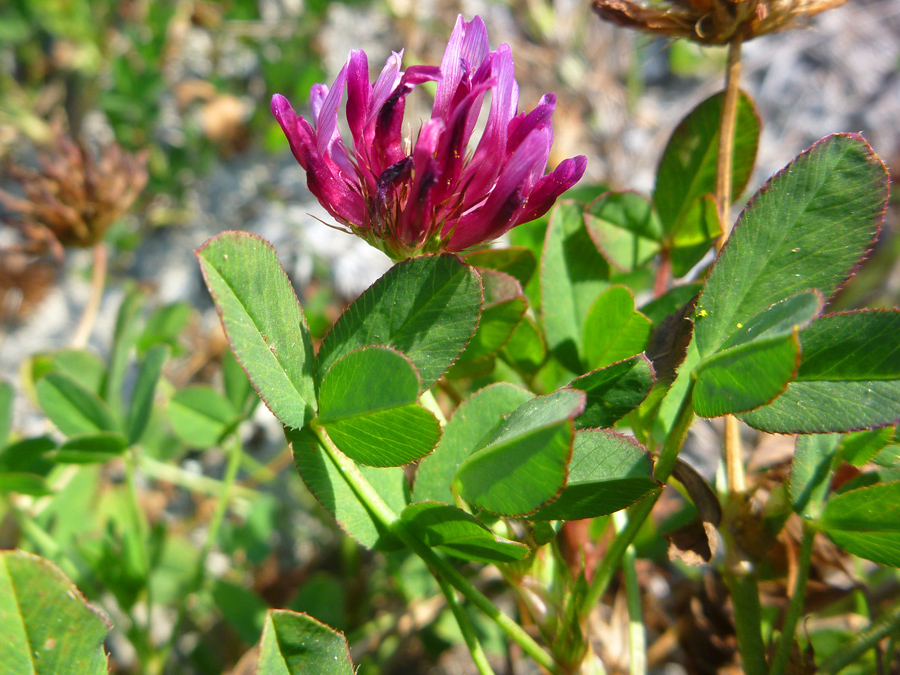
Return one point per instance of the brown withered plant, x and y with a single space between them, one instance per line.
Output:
711 22
70 200
73 198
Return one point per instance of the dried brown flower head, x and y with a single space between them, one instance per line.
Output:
73 198
711 22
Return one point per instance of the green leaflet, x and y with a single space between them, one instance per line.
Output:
425 307
47 627
807 228
368 404
849 377
263 321
297 644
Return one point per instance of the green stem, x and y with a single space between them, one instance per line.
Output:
50 549
465 626
887 623
638 513
204 484
215 523
138 517
224 492
377 507
795 608
637 636
747 619
142 527
889 653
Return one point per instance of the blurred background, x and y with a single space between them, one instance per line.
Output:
188 82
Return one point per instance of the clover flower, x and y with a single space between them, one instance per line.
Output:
440 194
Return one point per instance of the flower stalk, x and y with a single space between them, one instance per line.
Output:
98 283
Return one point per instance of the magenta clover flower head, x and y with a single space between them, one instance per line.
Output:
440 194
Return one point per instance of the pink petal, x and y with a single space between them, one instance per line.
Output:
387 80
499 211
340 198
468 45
317 95
388 140
550 187
452 151
523 125
417 218
326 119
359 94
300 134
504 101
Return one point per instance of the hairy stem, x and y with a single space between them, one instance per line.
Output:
795 608
638 513
724 169
727 124
465 626
89 314
885 625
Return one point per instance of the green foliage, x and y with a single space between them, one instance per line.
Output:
263 322
613 330
368 406
625 228
466 410
572 275
474 419
796 234
47 627
866 522
849 377
331 487
458 534
614 391
71 407
426 308
522 464
504 307
201 416
759 360
91 448
687 169
607 473
811 472
294 643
